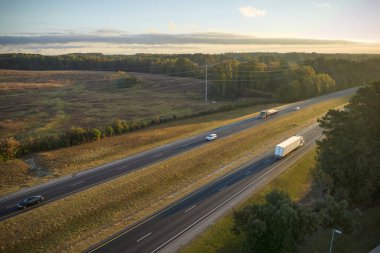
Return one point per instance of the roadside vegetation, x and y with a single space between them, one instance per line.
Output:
80 220
344 179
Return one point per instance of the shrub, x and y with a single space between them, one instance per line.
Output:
9 147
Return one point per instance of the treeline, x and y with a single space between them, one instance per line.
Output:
154 62
348 73
346 179
11 148
235 79
231 75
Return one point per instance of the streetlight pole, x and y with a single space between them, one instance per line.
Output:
332 237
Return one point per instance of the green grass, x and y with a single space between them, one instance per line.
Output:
361 241
219 237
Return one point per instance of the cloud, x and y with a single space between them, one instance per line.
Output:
106 31
159 39
128 49
172 26
322 5
249 11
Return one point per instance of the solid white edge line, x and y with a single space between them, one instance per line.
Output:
77 183
189 208
224 187
224 202
145 236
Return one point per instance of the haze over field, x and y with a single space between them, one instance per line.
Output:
129 27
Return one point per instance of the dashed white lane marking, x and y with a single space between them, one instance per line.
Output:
145 236
267 161
190 208
224 187
77 183
248 172
10 206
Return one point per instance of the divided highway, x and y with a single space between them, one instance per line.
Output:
161 229
83 180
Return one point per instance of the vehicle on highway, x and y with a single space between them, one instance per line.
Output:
211 137
266 113
297 108
288 146
30 201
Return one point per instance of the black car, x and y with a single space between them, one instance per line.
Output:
30 201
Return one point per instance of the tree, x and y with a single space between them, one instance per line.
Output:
336 214
109 131
279 225
96 134
9 147
348 164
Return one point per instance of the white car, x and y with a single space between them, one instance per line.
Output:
297 108
211 137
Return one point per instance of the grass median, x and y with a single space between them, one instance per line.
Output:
80 220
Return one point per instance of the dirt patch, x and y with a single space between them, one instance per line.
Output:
36 170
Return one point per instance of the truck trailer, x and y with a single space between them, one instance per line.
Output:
288 146
266 113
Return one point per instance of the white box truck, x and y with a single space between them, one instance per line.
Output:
288 146
266 113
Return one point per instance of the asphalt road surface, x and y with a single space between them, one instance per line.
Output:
159 230
83 180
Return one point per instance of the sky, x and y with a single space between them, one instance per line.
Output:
173 26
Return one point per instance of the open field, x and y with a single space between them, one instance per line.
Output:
39 103
219 237
45 166
80 220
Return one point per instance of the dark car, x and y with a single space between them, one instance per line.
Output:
30 201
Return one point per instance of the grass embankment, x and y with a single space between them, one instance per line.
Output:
219 237
361 241
66 161
82 219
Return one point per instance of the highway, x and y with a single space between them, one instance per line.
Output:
159 230
83 180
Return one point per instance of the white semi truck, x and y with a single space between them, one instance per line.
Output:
266 113
288 146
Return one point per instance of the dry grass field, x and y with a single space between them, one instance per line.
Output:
39 103
80 220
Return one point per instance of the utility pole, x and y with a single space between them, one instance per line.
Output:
206 86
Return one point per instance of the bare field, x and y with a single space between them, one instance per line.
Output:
37 103
80 220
